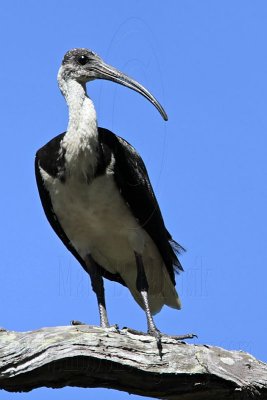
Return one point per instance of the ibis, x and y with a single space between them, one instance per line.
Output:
97 196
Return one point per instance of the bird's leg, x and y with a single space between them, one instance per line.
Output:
98 288
142 287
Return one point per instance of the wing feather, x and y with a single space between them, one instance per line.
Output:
133 182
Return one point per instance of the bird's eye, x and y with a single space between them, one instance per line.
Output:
82 60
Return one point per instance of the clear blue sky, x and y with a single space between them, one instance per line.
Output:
206 62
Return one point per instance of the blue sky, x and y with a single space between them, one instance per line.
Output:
206 63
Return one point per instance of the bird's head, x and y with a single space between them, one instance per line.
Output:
84 65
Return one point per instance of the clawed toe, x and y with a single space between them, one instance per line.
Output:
157 335
183 337
111 328
76 322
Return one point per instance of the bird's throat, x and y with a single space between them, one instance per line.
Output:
80 142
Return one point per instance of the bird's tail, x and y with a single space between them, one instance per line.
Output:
161 289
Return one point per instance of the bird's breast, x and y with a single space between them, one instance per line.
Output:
96 219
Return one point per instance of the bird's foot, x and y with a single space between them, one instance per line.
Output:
153 331
110 328
159 336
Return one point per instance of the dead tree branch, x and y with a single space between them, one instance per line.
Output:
89 356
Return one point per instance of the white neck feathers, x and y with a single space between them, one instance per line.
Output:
81 139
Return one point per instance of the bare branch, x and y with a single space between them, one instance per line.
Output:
89 356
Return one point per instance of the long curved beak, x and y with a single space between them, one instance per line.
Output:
105 71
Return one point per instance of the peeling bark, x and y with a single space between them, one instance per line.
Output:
89 356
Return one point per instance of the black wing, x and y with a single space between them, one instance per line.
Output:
49 158
133 182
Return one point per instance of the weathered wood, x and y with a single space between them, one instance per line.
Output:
89 356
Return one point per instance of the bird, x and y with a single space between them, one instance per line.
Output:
98 198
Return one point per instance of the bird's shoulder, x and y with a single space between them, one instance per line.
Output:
126 159
50 157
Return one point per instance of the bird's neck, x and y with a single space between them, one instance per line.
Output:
82 115
80 143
